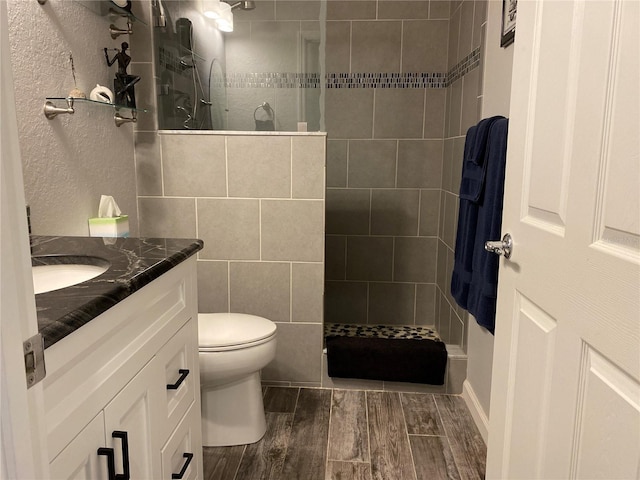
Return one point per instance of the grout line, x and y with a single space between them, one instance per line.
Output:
290 292
366 411
326 460
406 431
229 285
260 227
235 475
226 164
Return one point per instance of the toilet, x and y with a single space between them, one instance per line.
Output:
233 348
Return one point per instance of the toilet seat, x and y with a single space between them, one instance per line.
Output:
232 331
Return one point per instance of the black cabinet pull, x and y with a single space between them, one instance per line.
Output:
189 457
183 375
126 475
111 463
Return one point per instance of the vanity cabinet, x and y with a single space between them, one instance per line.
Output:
129 381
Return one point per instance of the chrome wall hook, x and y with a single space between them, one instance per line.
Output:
116 32
51 111
120 120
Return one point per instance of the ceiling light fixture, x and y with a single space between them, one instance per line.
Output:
225 20
211 9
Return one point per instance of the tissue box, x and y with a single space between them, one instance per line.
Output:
109 226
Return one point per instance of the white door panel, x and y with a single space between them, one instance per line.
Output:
566 384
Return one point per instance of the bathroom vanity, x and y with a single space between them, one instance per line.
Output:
121 394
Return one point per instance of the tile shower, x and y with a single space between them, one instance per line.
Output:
401 85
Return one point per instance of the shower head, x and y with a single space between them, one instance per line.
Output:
244 5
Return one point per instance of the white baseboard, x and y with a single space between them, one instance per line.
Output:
477 412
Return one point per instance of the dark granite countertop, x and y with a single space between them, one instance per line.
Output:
134 262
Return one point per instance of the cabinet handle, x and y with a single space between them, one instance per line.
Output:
126 475
177 476
183 375
111 463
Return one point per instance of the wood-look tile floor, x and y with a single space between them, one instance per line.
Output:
322 434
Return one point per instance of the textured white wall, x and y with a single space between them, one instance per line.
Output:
70 161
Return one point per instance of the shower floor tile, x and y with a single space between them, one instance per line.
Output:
380 331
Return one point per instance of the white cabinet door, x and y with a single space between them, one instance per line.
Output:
80 460
136 410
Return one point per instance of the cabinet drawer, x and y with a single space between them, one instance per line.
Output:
177 359
185 440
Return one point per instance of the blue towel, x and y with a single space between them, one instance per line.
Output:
475 276
471 187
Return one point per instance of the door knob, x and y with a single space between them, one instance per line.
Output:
500 247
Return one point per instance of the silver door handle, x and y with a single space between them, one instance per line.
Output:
500 247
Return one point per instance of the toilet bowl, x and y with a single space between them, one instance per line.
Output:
233 348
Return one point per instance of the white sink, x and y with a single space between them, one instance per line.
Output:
55 276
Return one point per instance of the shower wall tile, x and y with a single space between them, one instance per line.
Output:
434 113
346 302
441 274
466 29
479 18
338 47
347 211
414 259
230 228
419 163
286 108
337 163
437 310
292 230
399 113
298 355
455 106
454 34
256 171
308 167
260 288
394 212
274 47
439 9
470 85
148 167
402 9
444 317
456 164
297 10
307 287
372 163
429 213
335 257
375 46
369 258
456 330
167 217
391 303
213 286
441 225
351 9
450 225
424 44
447 165
194 166
349 112
425 304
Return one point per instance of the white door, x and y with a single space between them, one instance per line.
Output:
565 397
137 411
23 449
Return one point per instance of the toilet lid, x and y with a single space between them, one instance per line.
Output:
226 329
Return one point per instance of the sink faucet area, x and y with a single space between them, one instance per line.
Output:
60 271
78 278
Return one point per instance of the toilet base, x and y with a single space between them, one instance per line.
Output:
233 413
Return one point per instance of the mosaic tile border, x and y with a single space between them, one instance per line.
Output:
380 331
412 80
